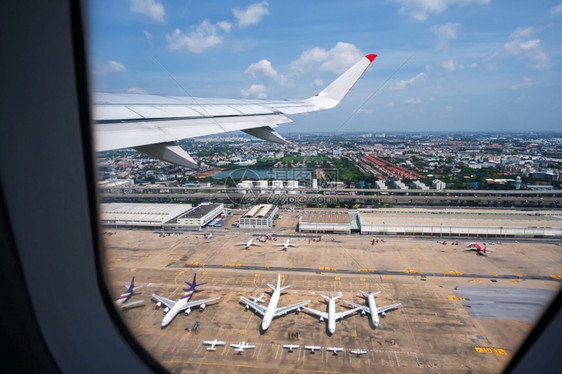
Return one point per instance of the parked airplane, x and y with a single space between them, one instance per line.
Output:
290 346
241 346
152 124
272 311
208 235
312 348
261 239
370 296
331 316
358 352
258 299
480 251
183 304
212 344
248 244
334 350
286 245
122 300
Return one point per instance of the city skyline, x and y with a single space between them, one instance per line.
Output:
443 66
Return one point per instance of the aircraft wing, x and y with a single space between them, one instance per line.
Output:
287 309
169 303
317 312
362 307
346 313
388 307
213 342
192 304
132 304
255 306
152 124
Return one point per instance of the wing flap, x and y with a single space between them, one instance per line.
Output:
317 312
388 307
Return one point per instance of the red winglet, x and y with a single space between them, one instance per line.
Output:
371 57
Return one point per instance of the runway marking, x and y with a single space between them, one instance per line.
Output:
499 351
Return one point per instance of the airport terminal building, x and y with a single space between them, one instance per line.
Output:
259 217
201 215
333 220
140 215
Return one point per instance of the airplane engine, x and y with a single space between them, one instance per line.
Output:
362 312
202 307
158 304
298 310
166 310
187 311
383 314
246 307
321 319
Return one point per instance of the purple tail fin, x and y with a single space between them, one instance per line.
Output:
194 284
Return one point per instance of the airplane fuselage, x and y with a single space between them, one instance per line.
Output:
373 309
179 306
331 315
271 309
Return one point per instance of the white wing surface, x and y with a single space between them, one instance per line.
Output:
362 307
388 307
317 312
152 124
341 315
192 304
255 306
169 303
287 309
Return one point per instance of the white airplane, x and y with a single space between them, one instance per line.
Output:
208 235
183 304
261 239
334 350
212 344
373 306
290 346
312 348
152 124
331 316
258 299
241 346
122 300
272 311
249 243
358 352
286 245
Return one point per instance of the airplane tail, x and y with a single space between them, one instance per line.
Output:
132 283
332 297
336 91
365 294
194 284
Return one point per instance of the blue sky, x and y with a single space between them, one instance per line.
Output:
471 64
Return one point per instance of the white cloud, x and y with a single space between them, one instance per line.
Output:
201 37
474 65
531 49
390 103
556 10
317 83
526 83
136 90
420 9
116 66
492 68
147 35
263 70
448 109
251 15
225 26
413 101
451 65
335 60
257 91
405 83
445 33
149 8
